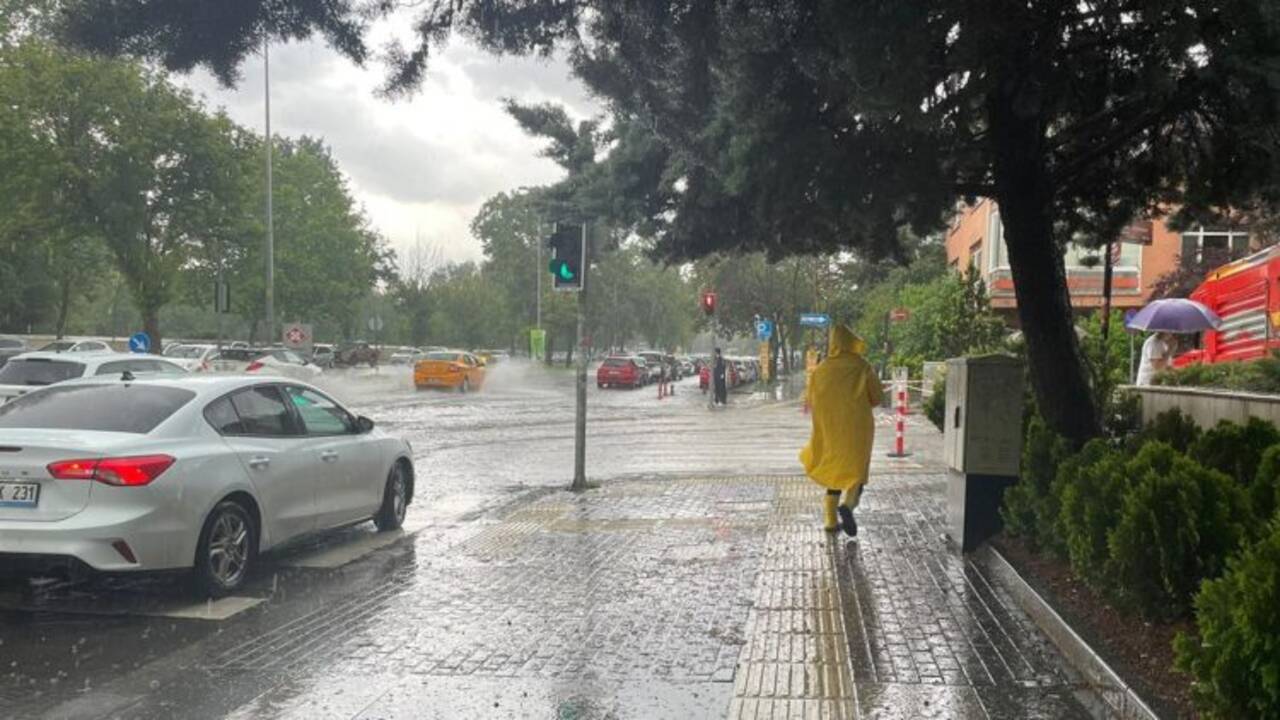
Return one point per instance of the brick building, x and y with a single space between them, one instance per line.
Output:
1149 250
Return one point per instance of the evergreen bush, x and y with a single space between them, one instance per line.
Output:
1030 509
1177 525
1088 489
1235 449
1236 656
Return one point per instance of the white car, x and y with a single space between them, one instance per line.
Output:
29 371
76 346
195 358
284 363
406 356
202 472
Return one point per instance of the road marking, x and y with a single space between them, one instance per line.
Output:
123 602
335 557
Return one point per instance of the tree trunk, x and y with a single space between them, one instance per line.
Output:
1044 306
151 326
64 306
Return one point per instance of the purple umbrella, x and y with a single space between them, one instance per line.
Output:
1175 315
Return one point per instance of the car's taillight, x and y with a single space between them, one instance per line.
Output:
254 366
123 472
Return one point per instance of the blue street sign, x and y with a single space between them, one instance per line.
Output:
764 329
815 319
140 343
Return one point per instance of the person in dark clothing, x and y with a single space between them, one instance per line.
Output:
719 376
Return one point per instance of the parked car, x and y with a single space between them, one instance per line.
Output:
653 360
60 346
687 368
198 473
356 353
9 347
283 363
195 358
622 371
405 356
322 356
449 369
33 370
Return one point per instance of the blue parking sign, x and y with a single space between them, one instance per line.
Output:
140 343
764 329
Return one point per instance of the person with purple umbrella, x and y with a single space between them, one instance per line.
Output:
1157 354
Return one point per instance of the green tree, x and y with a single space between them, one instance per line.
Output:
826 125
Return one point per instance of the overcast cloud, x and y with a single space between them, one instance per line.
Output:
420 166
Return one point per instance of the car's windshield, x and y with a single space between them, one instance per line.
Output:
58 346
617 362
444 356
116 407
39 371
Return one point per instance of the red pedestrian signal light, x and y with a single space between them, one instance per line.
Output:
709 303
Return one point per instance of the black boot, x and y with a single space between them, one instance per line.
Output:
847 523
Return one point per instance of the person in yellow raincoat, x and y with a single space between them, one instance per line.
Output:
841 394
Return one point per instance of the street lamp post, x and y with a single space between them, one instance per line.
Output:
271 269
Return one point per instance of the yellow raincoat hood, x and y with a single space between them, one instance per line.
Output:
842 392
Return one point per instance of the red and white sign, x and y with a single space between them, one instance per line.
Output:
899 314
297 336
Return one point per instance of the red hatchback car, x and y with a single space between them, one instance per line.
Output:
621 372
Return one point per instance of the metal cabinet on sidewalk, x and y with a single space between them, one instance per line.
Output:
982 443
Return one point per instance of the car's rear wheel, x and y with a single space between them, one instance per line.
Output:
395 500
465 387
226 551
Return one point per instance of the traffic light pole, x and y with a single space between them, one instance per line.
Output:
580 424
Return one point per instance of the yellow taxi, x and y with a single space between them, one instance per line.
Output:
449 370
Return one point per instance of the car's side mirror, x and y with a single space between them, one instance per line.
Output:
364 425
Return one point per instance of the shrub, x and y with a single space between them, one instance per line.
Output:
1264 493
1235 449
935 408
1178 524
1173 428
1236 658
1261 376
1030 508
1088 489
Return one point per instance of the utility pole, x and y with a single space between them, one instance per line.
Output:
580 422
271 240
541 269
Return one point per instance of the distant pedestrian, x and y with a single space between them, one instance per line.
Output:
842 392
1157 352
718 376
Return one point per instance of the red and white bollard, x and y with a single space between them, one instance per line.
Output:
900 421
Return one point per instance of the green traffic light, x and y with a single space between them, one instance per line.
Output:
562 270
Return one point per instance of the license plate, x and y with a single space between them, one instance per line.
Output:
19 494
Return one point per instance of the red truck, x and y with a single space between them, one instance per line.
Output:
1246 295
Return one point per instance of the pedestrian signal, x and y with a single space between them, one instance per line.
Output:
568 256
709 303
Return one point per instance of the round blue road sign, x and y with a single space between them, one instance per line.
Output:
140 343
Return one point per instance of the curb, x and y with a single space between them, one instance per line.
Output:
1121 700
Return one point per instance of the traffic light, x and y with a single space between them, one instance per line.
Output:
709 302
568 253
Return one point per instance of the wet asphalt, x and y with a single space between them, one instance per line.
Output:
124 646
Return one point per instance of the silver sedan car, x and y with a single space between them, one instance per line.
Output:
188 472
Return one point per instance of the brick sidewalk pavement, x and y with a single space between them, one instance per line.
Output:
689 597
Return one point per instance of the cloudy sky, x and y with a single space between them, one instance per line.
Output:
421 166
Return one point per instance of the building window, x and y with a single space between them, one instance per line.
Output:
999 257
975 257
1212 245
